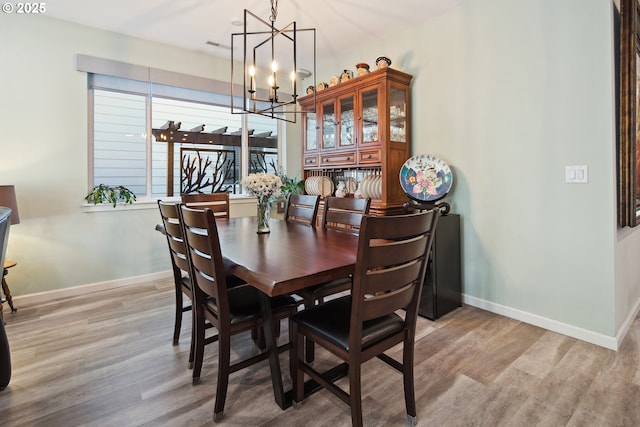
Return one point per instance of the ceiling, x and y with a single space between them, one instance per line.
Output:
191 23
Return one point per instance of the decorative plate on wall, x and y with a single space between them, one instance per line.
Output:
426 178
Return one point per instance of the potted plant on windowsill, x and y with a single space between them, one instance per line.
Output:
104 193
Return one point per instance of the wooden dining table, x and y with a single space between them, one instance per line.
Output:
289 258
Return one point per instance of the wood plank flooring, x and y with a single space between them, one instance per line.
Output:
106 359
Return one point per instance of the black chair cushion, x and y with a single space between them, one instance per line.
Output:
326 288
244 303
330 321
232 282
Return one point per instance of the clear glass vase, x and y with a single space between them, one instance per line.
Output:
264 210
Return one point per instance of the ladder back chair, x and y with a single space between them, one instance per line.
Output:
388 276
302 208
172 229
341 214
232 310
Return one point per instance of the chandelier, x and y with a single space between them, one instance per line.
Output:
272 66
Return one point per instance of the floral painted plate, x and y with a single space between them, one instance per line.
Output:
426 178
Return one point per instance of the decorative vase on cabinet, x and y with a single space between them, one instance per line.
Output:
358 128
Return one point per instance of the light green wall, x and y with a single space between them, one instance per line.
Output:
43 115
508 92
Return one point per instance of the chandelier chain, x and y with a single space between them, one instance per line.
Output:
274 10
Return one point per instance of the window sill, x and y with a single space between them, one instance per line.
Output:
153 204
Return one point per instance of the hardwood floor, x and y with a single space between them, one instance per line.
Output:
106 359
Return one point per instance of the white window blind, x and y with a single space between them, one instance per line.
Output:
126 110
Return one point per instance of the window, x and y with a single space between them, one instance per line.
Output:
162 140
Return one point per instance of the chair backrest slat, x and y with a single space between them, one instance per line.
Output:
344 213
205 256
169 212
217 202
378 281
302 208
390 266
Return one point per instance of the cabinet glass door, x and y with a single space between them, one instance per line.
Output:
347 127
312 132
398 115
328 125
370 116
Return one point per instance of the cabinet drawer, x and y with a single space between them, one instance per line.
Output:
369 156
310 161
341 158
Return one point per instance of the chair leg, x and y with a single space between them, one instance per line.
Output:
309 346
224 358
355 394
199 347
257 335
192 346
295 361
408 379
178 322
276 329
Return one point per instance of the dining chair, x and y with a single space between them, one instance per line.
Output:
341 214
389 271
302 208
172 229
217 202
232 310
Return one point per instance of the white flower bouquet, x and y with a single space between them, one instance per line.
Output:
262 185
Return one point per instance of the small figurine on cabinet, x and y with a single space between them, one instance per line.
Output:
333 81
321 86
310 90
346 75
383 62
341 190
362 68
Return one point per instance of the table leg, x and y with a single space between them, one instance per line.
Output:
284 401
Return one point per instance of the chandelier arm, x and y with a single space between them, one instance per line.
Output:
274 11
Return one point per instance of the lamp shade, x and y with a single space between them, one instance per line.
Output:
8 199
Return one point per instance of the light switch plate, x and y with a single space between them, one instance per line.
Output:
576 174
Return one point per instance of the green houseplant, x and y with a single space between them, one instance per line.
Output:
104 193
291 185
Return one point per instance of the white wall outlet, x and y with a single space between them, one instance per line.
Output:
576 174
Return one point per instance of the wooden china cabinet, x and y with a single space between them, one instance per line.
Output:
361 127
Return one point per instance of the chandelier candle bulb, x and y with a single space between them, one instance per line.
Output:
274 68
252 83
272 86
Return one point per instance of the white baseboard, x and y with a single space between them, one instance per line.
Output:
41 297
523 316
551 325
624 328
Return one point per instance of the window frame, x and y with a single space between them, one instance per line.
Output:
139 76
